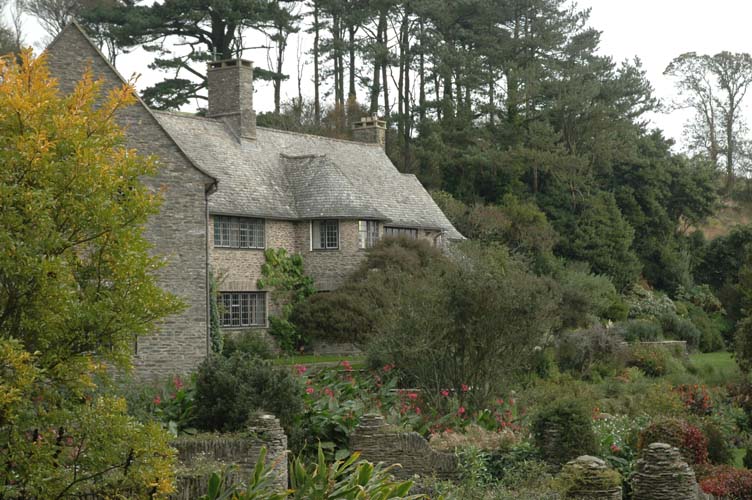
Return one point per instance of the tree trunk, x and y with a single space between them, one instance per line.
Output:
316 82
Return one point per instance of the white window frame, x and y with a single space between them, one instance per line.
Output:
368 233
316 227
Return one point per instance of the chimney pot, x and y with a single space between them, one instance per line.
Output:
371 130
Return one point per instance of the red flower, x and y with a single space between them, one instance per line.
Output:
177 383
328 392
310 390
461 411
465 388
301 369
445 393
346 365
615 449
157 399
388 367
417 410
412 396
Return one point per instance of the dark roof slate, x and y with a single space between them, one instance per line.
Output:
287 175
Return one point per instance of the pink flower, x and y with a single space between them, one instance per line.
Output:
328 392
499 401
412 396
157 399
465 388
615 449
346 365
417 410
177 383
310 390
445 393
388 368
461 411
301 369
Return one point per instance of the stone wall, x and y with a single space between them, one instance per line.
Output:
377 443
177 232
662 474
200 455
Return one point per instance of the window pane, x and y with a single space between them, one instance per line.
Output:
217 232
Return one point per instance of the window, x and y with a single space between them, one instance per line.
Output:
238 232
405 232
325 234
368 233
242 309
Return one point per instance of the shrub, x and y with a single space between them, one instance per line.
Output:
688 438
520 466
675 327
641 330
249 342
719 450
339 316
652 360
586 298
563 430
476 324
229 390
579 350
644 303
728 482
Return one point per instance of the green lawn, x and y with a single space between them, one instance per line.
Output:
715 368
355 361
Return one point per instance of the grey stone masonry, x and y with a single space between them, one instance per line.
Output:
662 474
371 130
230 89
378 444
177 232
589 478
200 455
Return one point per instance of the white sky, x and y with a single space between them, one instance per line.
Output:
656 31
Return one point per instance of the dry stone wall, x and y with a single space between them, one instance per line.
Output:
378 443
590 478
200 455
662 474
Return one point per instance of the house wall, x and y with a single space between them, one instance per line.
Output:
330 268
177 232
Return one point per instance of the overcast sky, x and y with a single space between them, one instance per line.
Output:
656 31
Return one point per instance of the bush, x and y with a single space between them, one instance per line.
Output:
580 350
687 437
476 324
728 482
644 303
719 450
586 298
248 342
229 390
652 360
563 430
641 330
677 328
339 316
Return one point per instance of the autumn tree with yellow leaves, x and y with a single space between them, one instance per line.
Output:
76 285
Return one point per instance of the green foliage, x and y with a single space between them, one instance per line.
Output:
654 361
587 298
580 350
68 440
260 486
249 342
687 437
603 238
342 316
285 276
641 330
215 333
563 430
77 285
648 304
677 328
475 324
229 390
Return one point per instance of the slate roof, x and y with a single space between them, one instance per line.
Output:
287 175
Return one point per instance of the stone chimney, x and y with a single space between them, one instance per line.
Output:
371 130
230 86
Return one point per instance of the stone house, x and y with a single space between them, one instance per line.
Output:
232 189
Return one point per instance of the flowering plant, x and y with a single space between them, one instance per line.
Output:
173 405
